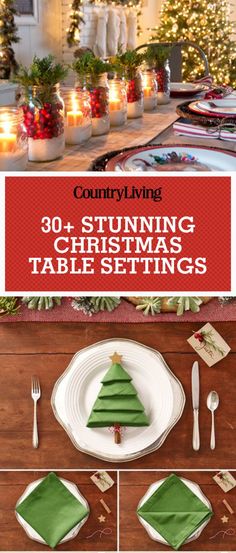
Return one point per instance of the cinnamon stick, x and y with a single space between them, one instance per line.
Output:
117 434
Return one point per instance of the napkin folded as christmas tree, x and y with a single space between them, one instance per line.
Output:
52 510
174 511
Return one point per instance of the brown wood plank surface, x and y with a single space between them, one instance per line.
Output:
13 536
46 349
133 536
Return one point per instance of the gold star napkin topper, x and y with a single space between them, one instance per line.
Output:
116 358
225 519
102 518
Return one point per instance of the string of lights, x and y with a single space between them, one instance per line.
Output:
208 24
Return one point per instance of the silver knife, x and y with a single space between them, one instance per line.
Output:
195 401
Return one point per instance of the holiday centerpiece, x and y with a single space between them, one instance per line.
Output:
8 35
92 75
117 404
43 107
78 115
157 58
13 140
129 64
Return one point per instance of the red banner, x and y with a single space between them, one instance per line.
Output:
121 233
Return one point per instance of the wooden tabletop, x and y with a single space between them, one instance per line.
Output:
133 486
13 536
45 349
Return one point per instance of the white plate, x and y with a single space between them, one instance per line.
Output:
225 107
75 392
207 159
195 488
31 533
188 88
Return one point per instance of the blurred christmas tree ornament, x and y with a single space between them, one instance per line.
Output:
8 35
188 20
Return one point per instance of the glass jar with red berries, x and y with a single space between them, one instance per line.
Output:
163 81
135 103
43 110
98 88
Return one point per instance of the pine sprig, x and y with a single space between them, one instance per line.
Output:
43 72
127 64
8 305
90 65
157 55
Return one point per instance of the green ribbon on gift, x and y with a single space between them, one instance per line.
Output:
52 510
174 511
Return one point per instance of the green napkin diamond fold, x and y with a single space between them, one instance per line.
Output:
117 403
174 511
52 510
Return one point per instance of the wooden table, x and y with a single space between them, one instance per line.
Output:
12 535
45 349
133 536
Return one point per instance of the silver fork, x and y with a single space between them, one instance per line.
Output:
35 394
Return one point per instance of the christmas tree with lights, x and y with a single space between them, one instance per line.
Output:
208 25
8 35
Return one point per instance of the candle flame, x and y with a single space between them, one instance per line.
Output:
6 124
113 96
74 102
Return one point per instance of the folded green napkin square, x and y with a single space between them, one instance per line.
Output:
52 510
174 511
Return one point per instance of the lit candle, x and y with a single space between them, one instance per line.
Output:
118 113
147 91
75 116
7 138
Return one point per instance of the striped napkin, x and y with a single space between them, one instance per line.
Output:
185 127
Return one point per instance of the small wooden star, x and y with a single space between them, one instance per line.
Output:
102 518
225 519
116 358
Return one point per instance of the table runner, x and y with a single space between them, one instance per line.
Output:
125 313
136 131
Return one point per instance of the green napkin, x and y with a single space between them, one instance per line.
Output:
52 510
174 511
117 401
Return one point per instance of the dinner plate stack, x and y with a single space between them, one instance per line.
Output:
159 391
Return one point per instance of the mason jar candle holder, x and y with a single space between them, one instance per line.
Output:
117 102
163 82
135 104
99 99
78 116
43 110
149 90
13 140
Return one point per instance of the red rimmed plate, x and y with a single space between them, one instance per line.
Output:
227 108
174 158
186 90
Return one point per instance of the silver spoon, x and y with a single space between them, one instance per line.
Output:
212 404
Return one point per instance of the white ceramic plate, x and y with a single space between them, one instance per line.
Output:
224 107
195 488
187 89
201 159
75 392
31 533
